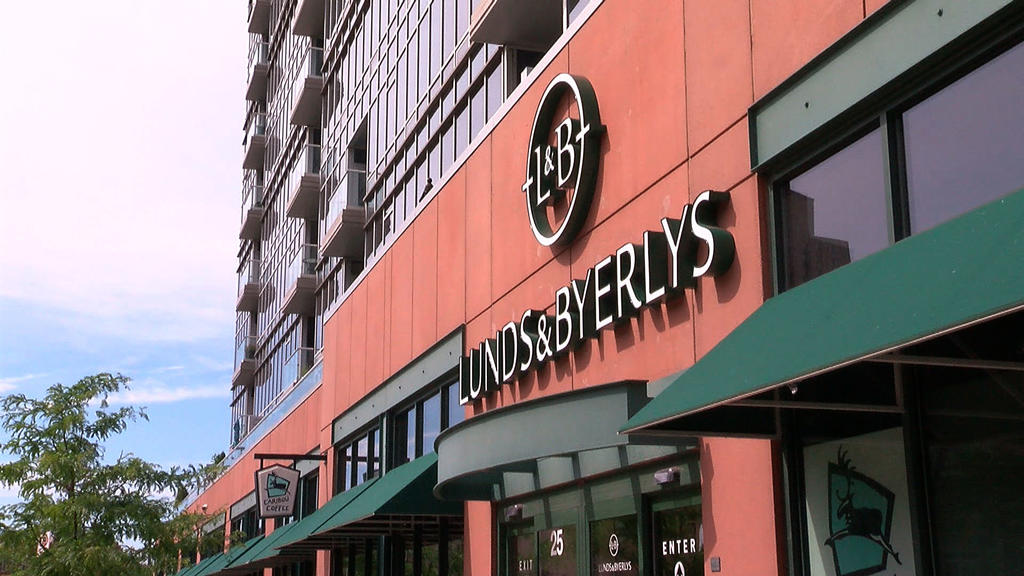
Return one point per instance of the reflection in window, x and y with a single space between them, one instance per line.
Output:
357 460
431 423
964 144
418 426
835 213
973 431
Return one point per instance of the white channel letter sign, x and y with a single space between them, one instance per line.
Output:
276 488
666 263
564 172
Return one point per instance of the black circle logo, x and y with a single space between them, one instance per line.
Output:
563 173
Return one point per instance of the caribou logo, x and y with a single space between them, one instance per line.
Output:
276 486
860 520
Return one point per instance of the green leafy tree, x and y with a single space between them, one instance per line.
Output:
82 513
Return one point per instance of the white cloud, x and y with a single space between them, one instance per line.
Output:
164 369
8 383
168 394
9 494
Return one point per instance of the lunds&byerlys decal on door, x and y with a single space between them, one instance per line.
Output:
560 179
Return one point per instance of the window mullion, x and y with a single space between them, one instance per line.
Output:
895 175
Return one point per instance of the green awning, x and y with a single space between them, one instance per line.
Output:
204 567
262 554
305 527
221 560
197 568
957 274
388 504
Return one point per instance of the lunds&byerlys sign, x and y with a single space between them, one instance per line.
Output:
562 176
276 487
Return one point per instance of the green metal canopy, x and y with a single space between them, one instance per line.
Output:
296 538
965 271
196 569
391 503
219 561
261 554
203 567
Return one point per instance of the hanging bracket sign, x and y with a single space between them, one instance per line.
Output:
276 488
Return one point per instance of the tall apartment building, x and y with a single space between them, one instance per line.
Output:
353 111
617 287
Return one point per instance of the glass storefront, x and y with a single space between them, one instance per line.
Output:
623 526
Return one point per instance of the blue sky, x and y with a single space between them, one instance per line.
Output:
120 145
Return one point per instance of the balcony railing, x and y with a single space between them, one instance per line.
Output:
248 286
239 428
297 365
255 142
305 183
245 362
307 88
259 67
342 226
348 194
245 350
300 278
253 208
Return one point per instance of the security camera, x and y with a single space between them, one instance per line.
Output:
666 476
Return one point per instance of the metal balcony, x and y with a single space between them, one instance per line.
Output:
300 279
248 287
259 68
304 184
245 363
342 224
307 89
528 24
240 428
259 16
297 365
309 19
253 207
255 142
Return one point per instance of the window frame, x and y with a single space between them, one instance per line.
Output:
886 115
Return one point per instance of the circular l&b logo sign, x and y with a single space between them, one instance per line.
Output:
562 166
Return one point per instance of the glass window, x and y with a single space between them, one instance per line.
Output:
358 460
461 130
448 44
361 455
413 59
462 18
494 91
834 213
614 546
410 434
678 537
447 148
431 423
857 505
973 432
435 39
478 111
963 145
455 554
456 413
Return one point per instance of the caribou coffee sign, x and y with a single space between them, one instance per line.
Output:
560 178
276 487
